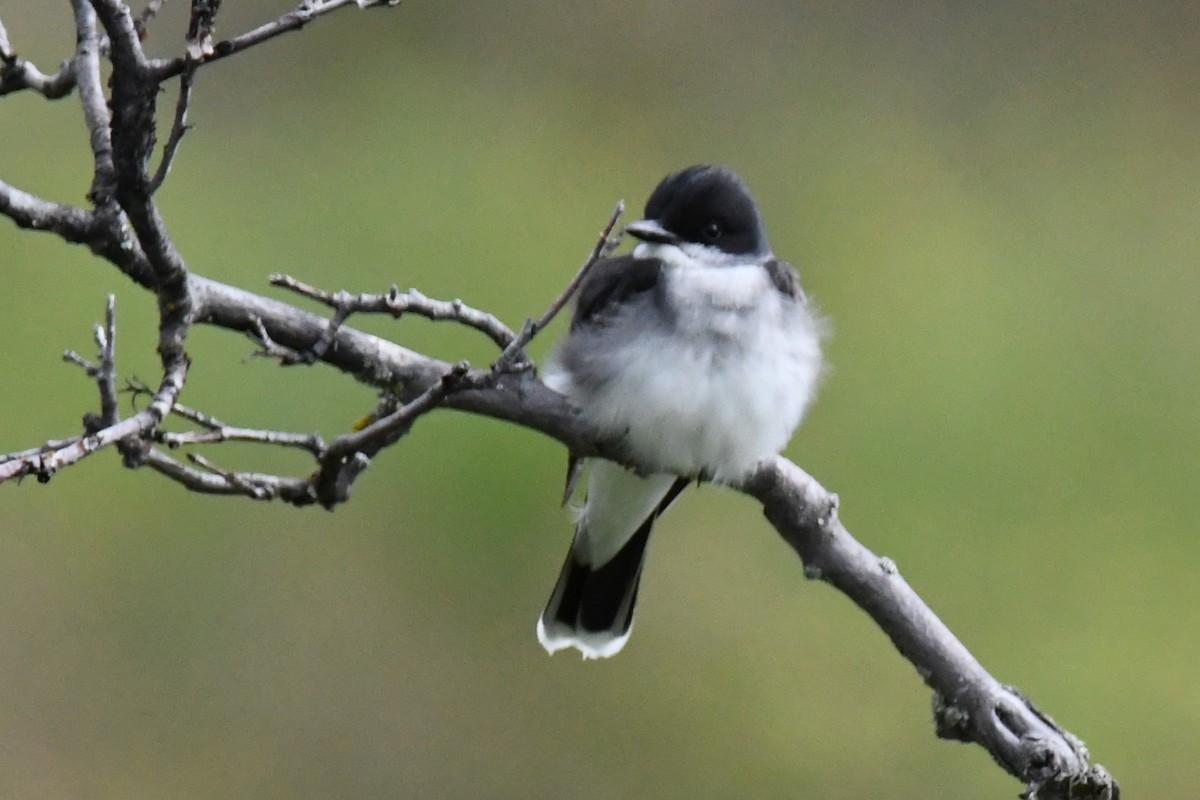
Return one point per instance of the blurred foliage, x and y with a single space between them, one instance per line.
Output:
995 204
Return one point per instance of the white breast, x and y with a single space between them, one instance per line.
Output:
720 386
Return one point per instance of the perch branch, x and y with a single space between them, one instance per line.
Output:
971 705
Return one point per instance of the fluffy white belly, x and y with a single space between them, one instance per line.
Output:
713 390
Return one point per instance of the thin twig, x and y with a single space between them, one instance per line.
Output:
396 303
269 349
349 454
310 442
217 431
603 244
90 367
297 491
291 21
249 484
106 372
45 461
142 23
514 352
179 127
106 428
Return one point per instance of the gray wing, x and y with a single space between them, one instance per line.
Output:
612 281
785 278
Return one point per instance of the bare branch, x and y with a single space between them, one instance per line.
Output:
311 442
44 462
267 347
142 23
291 21
1027 743
395 303
90 367
95 106
17 74
34 452
249 485
133 103
372 360
106 370
200 28
211 480
339 465
178 128
105 235
28 211
349 454
216 431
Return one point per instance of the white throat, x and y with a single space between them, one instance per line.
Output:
691 254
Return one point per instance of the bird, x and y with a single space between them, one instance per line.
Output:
700 353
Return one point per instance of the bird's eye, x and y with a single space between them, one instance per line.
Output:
712 230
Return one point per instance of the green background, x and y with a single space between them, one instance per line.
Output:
996 205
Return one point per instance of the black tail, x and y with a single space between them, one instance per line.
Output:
591 607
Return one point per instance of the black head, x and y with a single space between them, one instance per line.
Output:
704 205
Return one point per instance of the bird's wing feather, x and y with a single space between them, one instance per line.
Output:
611 281
785 278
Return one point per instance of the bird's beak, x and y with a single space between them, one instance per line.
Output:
649 230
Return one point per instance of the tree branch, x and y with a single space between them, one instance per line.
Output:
178 128
73 224
95 106
200 28
970 705
142 23
211 480
218 431
101 430
16 74
293 20
395 303
103 235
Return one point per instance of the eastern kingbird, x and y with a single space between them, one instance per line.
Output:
700 352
